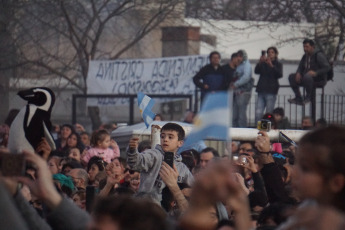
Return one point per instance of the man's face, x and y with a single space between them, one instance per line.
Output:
308 49
277 117
234 61
307 124
246 148
169 141
215 60
205 158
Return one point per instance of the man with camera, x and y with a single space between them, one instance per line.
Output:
312 71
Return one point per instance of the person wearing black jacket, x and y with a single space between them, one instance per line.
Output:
312 71
211 77
270 70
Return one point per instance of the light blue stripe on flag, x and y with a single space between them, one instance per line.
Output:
146 104
213 120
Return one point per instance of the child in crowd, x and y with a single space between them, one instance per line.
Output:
95 165
74 153
53 164
100 142
150 162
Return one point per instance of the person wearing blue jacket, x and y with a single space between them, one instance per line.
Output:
242 86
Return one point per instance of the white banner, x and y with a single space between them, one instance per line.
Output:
171 75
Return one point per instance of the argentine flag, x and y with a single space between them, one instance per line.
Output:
145 104
213 120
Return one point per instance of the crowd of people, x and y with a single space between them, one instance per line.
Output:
85 184
237 75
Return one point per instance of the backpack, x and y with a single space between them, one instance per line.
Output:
330 73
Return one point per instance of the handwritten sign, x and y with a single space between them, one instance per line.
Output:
172 75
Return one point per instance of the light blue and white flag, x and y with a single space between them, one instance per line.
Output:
145 104
213 120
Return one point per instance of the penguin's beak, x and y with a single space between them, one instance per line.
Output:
27 94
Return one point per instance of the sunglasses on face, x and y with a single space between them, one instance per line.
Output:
130 171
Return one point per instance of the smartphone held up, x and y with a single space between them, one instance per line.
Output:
169 158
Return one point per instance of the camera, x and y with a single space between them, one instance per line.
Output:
264 125
242 159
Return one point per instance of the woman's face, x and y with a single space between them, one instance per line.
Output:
72 141
65 132
53 167
93 172
271 54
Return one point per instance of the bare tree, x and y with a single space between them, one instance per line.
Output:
55 39
328 16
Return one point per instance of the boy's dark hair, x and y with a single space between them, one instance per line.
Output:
279 111
309 41
210 149
213 53
174 127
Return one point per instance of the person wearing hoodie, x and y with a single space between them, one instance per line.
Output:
150 162
242 86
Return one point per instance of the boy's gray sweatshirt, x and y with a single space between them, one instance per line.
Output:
149 163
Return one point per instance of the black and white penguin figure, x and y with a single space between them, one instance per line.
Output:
33 121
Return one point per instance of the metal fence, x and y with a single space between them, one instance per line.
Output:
333 107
